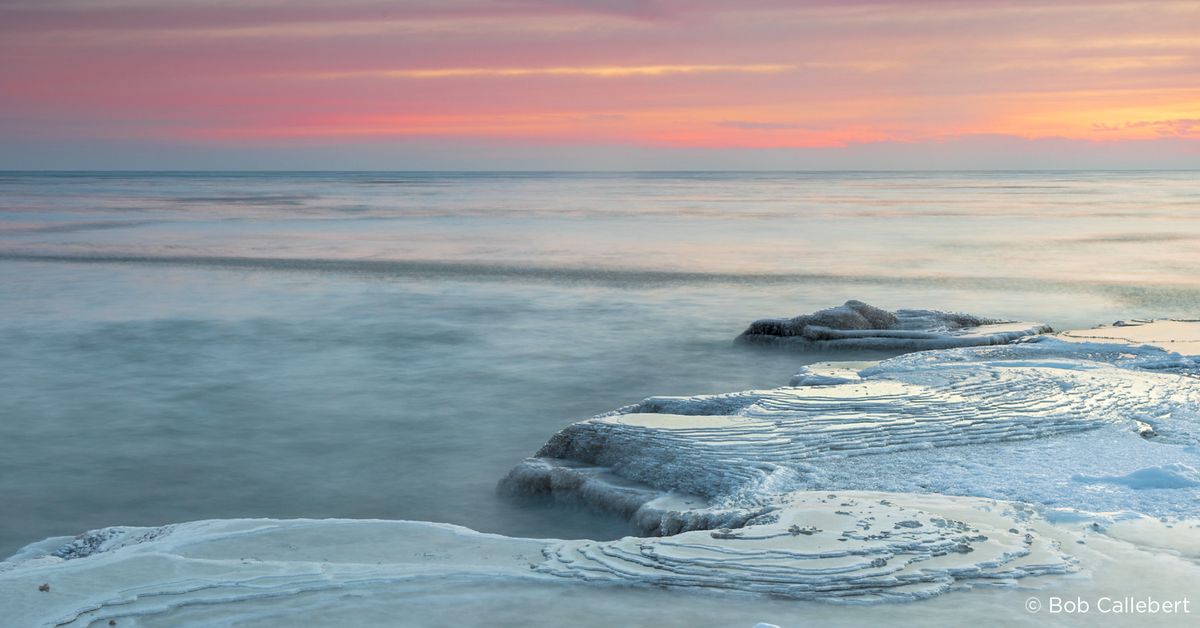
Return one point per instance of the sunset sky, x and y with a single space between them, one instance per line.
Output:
598 84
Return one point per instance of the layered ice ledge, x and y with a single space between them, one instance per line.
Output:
679 463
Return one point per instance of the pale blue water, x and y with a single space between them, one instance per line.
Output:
186 346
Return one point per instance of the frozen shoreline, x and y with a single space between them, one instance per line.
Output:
1012 417
372 573
713 464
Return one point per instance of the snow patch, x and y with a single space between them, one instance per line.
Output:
1168 476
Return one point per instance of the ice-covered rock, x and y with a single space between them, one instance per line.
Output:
729 453
855 325
731 476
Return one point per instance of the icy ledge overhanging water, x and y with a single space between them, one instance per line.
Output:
926 473
1008 422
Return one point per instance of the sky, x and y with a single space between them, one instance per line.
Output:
594 84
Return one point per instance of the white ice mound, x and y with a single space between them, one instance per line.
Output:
824 374
848 546
1079 403
1168 476
858 326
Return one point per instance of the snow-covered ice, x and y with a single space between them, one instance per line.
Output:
1009 422
835 546
864 546
1175 336
1173 475
255 573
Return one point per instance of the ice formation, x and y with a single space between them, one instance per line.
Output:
728 453
846 546
897 480
832 546
1179 336
1025 412
1173 475
130 573
856 325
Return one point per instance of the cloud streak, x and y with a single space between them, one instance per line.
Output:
607 71
756 125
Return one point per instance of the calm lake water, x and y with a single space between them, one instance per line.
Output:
189 346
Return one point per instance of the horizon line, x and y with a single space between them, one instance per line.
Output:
573 171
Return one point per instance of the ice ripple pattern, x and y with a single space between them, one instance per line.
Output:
731 448
843 547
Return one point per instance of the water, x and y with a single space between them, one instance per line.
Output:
187 346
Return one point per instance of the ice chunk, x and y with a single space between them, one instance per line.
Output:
856 325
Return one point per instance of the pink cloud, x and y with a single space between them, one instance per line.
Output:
765 73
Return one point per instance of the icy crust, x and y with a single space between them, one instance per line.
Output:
734 451
140 573
850 547
1162 344
1117 352
861 547
858 326
1174 475
652 511
107 540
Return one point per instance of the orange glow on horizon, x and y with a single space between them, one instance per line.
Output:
712 75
